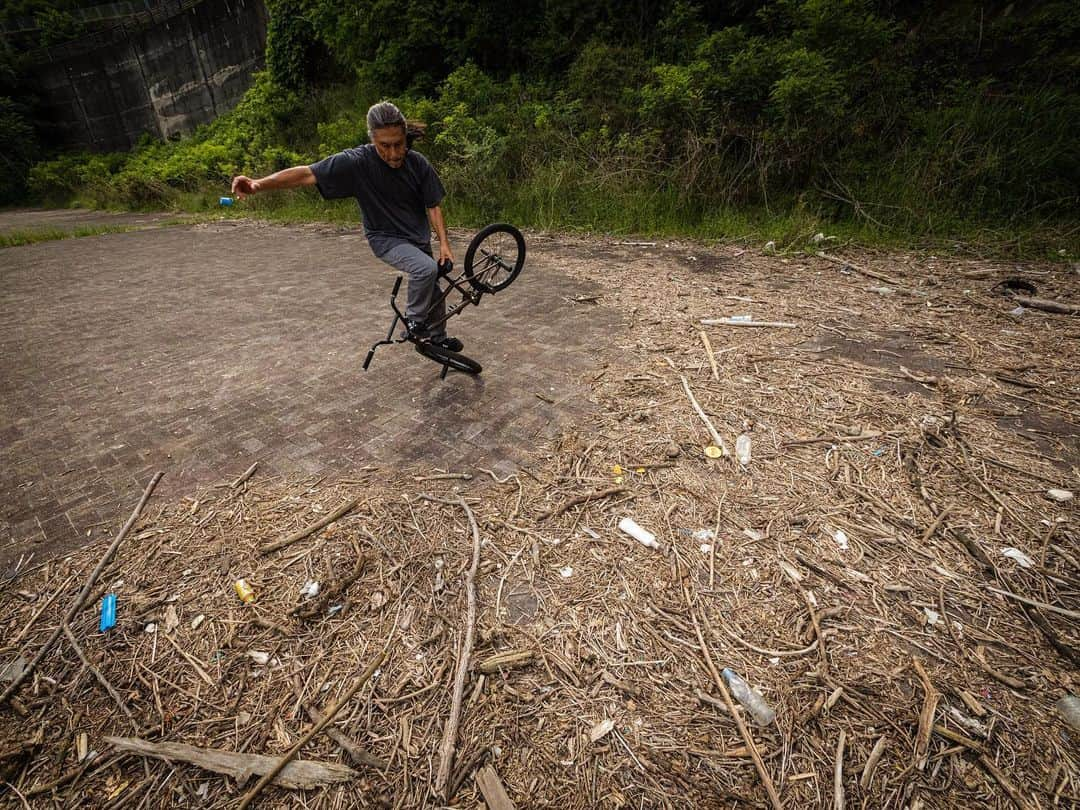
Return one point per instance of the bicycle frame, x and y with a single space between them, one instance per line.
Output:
469 296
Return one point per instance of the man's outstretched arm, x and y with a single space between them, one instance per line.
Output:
287 178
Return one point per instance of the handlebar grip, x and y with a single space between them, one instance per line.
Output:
445 268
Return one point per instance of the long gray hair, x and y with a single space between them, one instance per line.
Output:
386 114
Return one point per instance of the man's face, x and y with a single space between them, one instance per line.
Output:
390 144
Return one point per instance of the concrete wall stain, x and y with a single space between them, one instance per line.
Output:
165 78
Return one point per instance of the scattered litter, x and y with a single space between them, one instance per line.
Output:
244 591
932 616
742 449
150 628
749 699
198 620
643 536
1017 311
705 548
704 535
310 589
566 572
1022 559
756 536
712 451
260 658
882 290
334 610
108 613
1059 495
770 245
841 538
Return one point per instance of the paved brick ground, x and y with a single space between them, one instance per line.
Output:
197 350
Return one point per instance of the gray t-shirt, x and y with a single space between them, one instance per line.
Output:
394 202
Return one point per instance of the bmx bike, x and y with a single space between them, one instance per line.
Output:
493 260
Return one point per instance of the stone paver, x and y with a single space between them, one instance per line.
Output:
198 350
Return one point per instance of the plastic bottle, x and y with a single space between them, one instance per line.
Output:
1069 709
751 701
742 449
108 613
643 536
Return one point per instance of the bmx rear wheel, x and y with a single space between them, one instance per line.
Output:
495 257
458 362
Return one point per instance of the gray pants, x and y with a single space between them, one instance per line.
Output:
424 301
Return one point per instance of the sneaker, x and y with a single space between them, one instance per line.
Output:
449 343
415 329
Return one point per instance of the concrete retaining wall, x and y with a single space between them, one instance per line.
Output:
165 78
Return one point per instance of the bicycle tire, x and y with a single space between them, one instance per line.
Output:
494 272
454 360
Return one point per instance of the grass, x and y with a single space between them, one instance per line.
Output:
30 237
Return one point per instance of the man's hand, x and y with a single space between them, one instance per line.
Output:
445 254
243 186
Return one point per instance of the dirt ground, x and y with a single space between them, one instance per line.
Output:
895 567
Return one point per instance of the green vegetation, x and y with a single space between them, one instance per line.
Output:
880 122
16 238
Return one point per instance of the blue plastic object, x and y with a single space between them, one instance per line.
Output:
108 612
225 201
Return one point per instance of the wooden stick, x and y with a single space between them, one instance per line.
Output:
737 322
716 437
314 527
838 773
331 713
76 606
356 752
748 738
944 513
872 763
101 678
301 774
926 717
857 269
247 474
492 789
1002 780
1072 614
709 352
588 496
1046 305
449 740
37 614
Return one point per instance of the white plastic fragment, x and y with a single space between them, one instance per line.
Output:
566 572
840 538
704 535
932 616
310 589
1022 559
1059 495
643 536
258 657
705 548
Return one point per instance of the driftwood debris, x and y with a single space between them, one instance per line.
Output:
491 787
342 510
1046 305
87 588
241 767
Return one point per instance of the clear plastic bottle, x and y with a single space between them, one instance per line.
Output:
749 699
742 449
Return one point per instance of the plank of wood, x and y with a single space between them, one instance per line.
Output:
297 774
491 787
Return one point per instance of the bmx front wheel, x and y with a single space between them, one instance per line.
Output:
495 257
458 362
